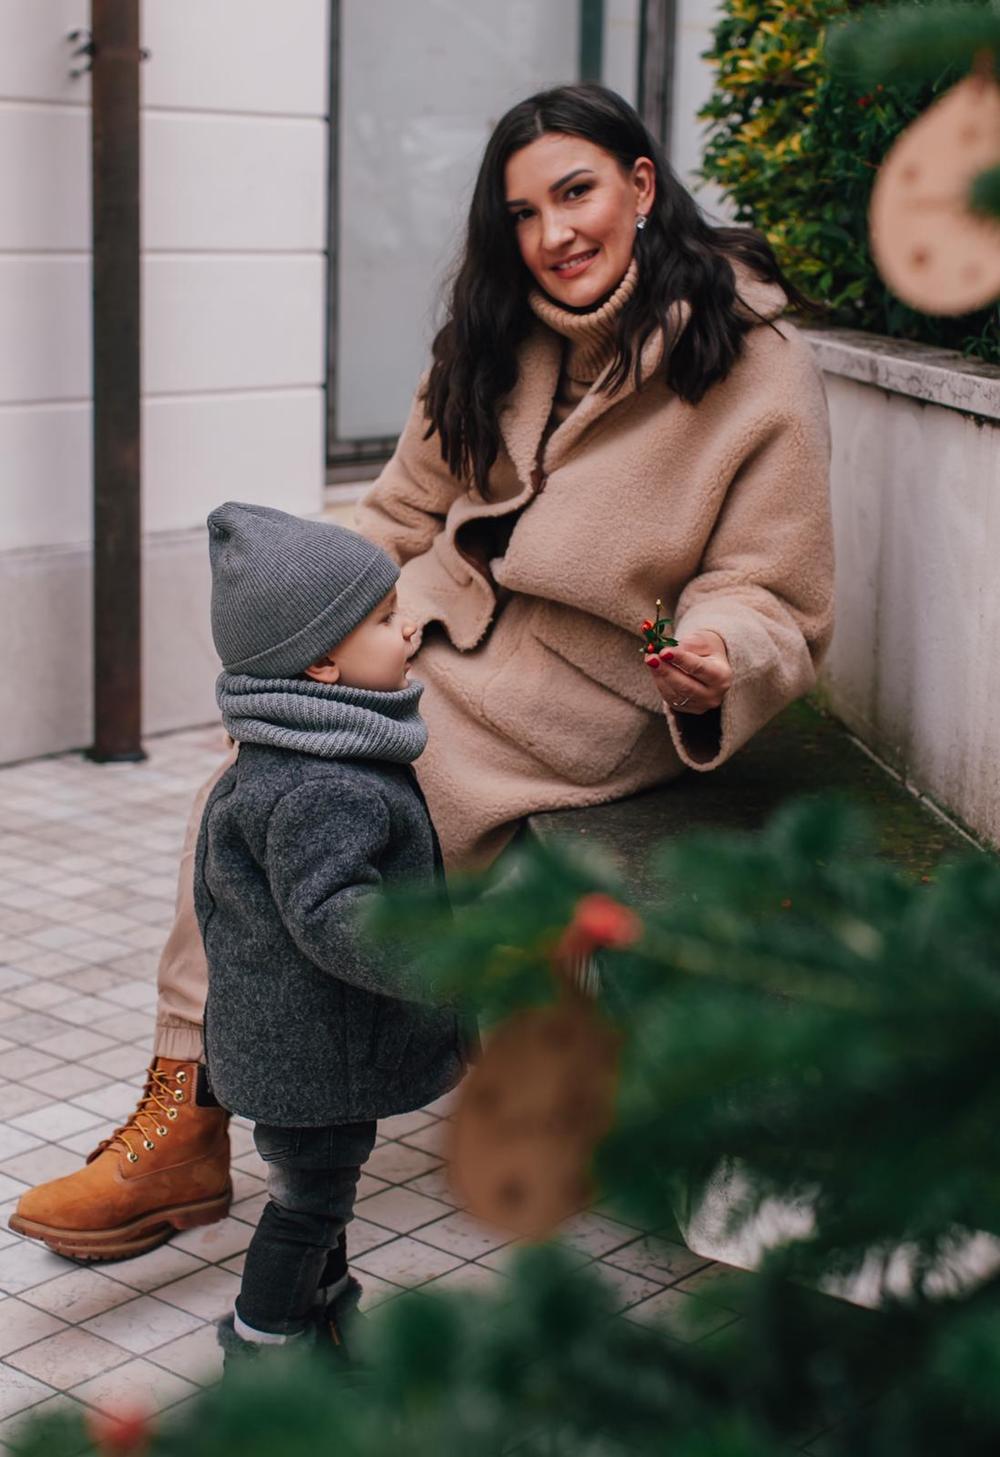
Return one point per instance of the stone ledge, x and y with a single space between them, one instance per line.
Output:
802 752
921 371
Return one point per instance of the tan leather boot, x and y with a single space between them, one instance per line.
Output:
166 1169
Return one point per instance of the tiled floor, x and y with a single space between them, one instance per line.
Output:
88 859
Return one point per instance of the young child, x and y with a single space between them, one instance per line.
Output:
310 1032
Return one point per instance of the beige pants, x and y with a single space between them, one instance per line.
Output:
182 977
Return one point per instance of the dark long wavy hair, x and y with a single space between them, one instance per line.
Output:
681 256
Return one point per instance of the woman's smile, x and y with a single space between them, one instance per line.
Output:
575 264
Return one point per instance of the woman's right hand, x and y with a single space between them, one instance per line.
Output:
695 676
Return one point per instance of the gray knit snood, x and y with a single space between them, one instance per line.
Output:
326 719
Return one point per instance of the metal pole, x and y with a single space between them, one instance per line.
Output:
657 26
117 541
591 39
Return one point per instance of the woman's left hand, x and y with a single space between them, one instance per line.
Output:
695 676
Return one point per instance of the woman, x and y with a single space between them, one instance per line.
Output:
612 415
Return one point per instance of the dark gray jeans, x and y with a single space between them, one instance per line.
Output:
312 1177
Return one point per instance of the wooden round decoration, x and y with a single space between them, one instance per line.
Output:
530 1114
931 249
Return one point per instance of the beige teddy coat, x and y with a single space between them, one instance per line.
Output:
721 509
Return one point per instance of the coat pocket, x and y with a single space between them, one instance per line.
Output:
562 716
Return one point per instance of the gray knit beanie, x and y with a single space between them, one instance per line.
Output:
285 591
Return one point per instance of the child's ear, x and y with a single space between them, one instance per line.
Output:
323 671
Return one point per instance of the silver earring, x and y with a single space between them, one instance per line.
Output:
641 222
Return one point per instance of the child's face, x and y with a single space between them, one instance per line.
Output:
375 655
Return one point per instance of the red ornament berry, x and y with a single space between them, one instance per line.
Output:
599 920
125 1433
647 626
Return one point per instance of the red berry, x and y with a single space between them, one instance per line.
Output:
125 1433
602 921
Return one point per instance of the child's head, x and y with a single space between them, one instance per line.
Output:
293 598
374 655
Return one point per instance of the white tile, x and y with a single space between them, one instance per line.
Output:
197 1357
26 1264
66 1081
33 1028
141 1324
159 1267
375 1292
403 1124
48 963
71 1356
75 1043
137 1383
436 1185
245 1185
14 1141
17 1099
215 1241
38 1165
251 1208
396 1162
125 1026
22 1325
126 1064
362 1235
85 1011
407 1262
595 1234
19 1391
459 1234
36 994
470 1277
55 1121
11 1188
401 1209
209 1292
432 1139
656 1259
116 1101
79 1294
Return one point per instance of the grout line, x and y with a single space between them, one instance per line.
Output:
917 794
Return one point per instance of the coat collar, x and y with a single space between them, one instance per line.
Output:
529 406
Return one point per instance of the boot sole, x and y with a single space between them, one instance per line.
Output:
126 1240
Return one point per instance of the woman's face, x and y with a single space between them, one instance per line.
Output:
574 209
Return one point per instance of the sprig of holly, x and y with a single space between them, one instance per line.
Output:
654 633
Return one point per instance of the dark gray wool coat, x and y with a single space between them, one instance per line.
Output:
305 1025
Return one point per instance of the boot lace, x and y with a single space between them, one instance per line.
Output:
155 1111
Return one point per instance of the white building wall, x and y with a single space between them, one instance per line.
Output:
234 156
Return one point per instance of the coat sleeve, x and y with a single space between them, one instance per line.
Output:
323 845
407 506
766 578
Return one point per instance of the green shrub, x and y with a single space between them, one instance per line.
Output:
796 150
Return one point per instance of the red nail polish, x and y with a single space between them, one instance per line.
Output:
668 657
654 664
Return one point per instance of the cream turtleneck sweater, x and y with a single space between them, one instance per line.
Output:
590 347
590 341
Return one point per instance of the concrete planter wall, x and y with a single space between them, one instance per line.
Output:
914 669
